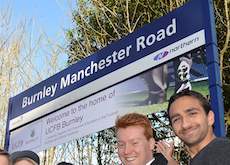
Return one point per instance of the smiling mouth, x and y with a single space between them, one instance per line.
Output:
189 132
130 159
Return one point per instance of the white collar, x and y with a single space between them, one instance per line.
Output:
149 163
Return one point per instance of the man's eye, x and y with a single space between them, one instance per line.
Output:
175 120
192 113
120 145
135 143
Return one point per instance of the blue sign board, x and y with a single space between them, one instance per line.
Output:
112 64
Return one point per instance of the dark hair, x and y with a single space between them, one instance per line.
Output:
203 101
135 119
64 163
25 155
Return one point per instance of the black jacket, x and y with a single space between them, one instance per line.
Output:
159 160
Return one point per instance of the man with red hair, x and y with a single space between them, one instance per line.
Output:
136 142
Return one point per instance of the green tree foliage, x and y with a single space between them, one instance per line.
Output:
98 23
222 13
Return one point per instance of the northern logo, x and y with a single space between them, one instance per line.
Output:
160 56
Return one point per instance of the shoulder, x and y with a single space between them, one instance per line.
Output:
208 155
223 142
159 159
218 145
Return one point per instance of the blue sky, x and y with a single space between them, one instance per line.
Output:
51 15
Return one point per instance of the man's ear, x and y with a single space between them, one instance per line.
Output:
152 143
211 118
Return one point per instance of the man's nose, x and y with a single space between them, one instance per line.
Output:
128 149
186 122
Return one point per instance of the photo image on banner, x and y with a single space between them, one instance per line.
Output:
149 91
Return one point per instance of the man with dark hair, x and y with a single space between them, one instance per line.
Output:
192 121
4 157
26 157
136 142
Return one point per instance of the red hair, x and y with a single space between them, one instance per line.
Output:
135 119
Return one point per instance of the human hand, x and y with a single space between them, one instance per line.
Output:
165 149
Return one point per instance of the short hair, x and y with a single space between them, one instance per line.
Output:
64 163
25 155
135 119
198 96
